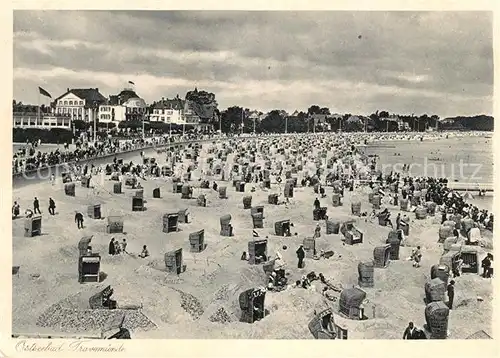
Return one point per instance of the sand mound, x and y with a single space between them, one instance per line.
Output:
67 315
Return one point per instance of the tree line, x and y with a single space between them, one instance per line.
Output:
241 120
237 119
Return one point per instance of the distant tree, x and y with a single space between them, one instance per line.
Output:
325 111
353 125
474 123
201 97
132 125
80 125
273 122
314 109
334 123
231 120
299 123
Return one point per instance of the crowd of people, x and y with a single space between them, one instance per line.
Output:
30 157
449 201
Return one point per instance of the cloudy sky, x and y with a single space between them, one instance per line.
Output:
352 62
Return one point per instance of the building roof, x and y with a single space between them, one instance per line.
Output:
319 117
176 103
354 119
254 115
90 95
122 97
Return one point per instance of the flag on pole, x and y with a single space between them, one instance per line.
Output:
132 83
44 92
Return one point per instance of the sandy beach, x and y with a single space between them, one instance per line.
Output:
182 306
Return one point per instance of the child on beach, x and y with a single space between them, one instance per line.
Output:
416 257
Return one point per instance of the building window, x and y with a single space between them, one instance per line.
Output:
70 103
81 103
79 111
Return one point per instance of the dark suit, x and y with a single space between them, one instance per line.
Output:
79 220
451 295
410 334
301 254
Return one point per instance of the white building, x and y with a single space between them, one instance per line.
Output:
180 112
79 103
168 111
45 121
125 106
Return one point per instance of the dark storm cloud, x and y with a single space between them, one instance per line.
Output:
320 57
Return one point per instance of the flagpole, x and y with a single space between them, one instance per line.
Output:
94 112
38 111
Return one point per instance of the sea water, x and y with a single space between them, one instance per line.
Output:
465 160
468 159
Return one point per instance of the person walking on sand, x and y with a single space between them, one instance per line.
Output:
451 293
79 220
410 332
301 254
486 265
317 204
36 206
15 210
52 206
111 247
417 257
